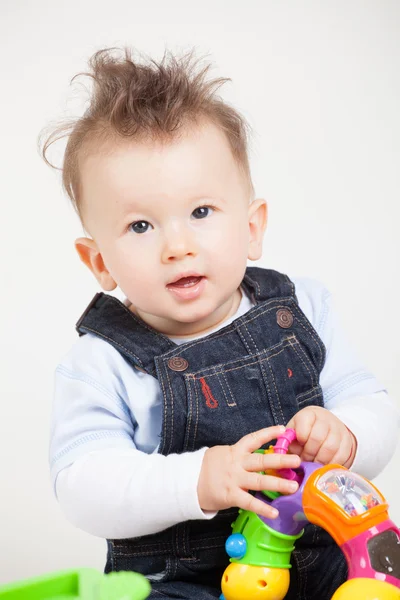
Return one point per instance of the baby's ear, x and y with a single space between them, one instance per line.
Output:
258 217
91 256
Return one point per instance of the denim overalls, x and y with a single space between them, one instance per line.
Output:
256 372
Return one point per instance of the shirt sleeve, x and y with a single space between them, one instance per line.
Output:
121 493
86 416
374 420
350 390
104 483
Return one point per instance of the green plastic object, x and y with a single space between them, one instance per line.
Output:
82 584
265 547
268 493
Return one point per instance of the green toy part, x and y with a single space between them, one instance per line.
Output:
81 584
265 547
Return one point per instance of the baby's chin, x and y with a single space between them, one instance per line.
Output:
175 322
202 316
187 324
196 326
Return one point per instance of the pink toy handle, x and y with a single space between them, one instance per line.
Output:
284 441
281 447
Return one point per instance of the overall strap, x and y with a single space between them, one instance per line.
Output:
266 284
108 318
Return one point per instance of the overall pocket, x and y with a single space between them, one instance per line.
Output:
125 555
231 399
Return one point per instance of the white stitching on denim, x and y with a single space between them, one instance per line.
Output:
244 319
220 544
175 567
315 389
247 364
204 372
172 411
186 539
257 286
197 416
224 381
189 416
269 394
302 581
301 561
165 424
250 336
153 548
112 342
276 392
291 285
141 322
243 339
298 350
112 555
306 566
176 544
304 400
216 538
192 381
305 573
309 329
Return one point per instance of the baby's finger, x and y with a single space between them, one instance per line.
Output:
257 483
318 435
253 441
303 423
328 448
343 452
262 462
248 502
296 448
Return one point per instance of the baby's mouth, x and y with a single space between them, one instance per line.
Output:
185 282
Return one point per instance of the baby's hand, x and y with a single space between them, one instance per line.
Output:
229 472
322 437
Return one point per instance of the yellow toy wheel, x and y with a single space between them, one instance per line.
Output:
366 589
246 582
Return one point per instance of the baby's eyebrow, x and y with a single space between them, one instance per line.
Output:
142 205
132 206
209 198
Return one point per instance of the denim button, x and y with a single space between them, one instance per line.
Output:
176 363
284 318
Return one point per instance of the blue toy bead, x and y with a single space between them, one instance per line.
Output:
222 597
236 545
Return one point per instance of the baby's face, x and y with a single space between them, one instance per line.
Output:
172 226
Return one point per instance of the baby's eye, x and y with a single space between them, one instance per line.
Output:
201 212
140 226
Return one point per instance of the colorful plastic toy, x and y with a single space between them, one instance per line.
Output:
347 506
83 584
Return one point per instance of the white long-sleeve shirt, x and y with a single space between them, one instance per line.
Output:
109 478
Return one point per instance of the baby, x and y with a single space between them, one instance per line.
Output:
162 401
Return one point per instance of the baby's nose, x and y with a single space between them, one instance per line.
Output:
178 244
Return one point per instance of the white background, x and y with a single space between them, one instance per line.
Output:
319 83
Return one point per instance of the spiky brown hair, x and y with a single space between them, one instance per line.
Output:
145 99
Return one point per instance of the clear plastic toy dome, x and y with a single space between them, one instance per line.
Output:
353 494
